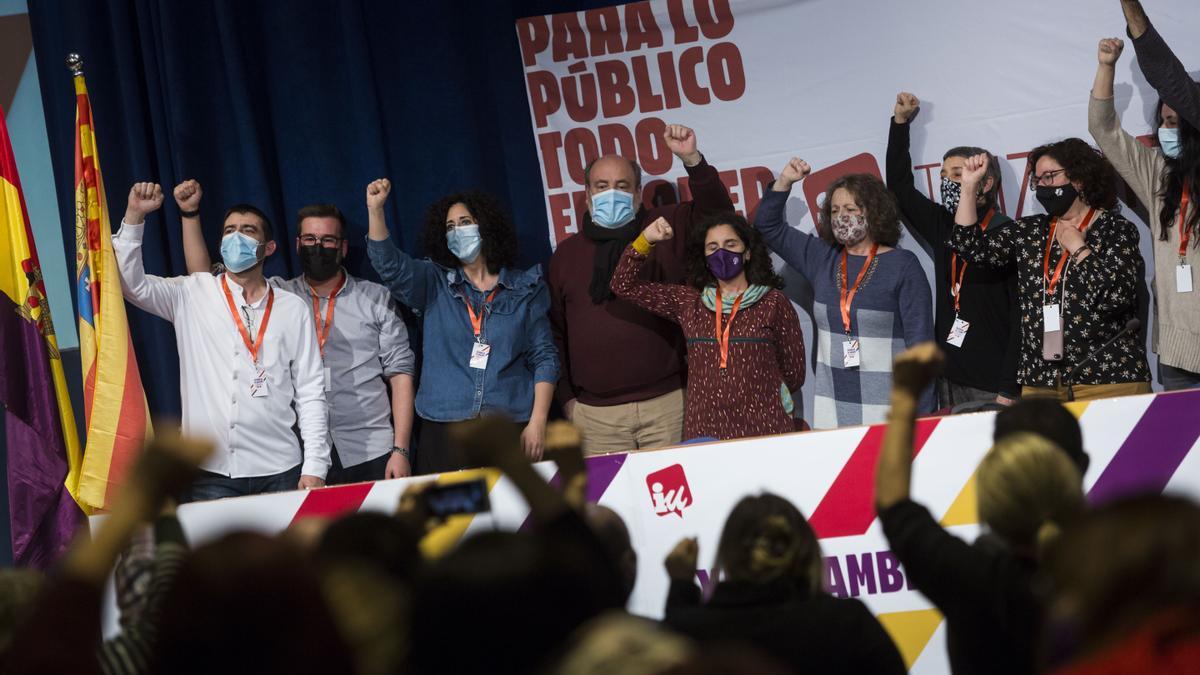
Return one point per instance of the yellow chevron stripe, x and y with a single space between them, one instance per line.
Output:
447 535
911 631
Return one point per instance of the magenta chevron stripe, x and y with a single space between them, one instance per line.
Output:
1154 449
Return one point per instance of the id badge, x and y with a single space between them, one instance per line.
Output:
851 358
1183 279
258 387
958 332
479 355
1052 345
1051 319
328 379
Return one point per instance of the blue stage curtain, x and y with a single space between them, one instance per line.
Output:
289 102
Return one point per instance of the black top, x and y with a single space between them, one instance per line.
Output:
984 591
987 359
1167 75
809 634
1097 296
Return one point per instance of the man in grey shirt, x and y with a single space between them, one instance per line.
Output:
364 343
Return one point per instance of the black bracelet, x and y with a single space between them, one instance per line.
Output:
189 214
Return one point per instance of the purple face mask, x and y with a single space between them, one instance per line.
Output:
725 264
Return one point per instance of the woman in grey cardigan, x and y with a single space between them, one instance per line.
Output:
1162 180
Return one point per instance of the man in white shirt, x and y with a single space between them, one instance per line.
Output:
247 354
362 338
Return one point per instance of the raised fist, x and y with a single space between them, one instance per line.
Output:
975 169
681 141
377 193
659 230
915 368
144 198
906 107
1110 51
681 561
794 171
188 194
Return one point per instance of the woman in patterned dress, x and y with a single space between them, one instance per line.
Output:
746 358
1078 273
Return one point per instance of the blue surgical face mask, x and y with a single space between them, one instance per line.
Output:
612 208
464 242
1168 139
239 252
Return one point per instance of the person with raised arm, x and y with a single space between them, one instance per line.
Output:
249 365
1078 271
1027 491
487 341
975 307
366 357
870 299
745 348
1164 179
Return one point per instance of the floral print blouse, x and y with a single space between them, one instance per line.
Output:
1098 296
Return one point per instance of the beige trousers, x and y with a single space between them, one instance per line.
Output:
629 427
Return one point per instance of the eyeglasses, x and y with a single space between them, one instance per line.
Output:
328 241
1044 179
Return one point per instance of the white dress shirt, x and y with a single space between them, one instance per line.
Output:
254 435
368 344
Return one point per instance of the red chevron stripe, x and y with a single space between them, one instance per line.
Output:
848 508
333 501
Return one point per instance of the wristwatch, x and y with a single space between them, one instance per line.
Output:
403 451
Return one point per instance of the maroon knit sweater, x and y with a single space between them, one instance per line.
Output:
766 348
588 336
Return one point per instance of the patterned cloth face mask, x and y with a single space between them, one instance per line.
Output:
849 228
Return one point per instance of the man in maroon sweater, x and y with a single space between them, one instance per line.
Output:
623 368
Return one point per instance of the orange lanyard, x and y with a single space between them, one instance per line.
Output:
957 276
323 329
1184 234
723 335
848 293
477 319
1053 281
251 347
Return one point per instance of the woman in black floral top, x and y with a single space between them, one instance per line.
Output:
1078 266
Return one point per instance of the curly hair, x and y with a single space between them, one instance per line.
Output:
1180 170
759 269
499 247
876 201
1083 164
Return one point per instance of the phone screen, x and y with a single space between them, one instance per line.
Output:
455 498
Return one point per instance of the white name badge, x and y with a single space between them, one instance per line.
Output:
1051 319
958 332
479 355
1183 278
328 380
851 357
258 386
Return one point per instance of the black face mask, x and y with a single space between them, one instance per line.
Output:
1056 199
320 263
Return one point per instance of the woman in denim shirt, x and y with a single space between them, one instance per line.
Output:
487 341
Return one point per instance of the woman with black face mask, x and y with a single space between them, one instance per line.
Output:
1078 271
744 345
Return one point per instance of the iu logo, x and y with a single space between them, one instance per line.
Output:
669 490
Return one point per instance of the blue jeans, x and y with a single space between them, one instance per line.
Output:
211 486
1174 379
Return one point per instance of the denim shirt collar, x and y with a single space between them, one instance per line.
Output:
510 279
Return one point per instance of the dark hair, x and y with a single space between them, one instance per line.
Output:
759 270
374 539
1126 562
322 211
254 211
1045 417
499 236
1182 169
587 170
1084 164
883 215
796 552
990 197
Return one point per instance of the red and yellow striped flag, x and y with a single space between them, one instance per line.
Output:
118 421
